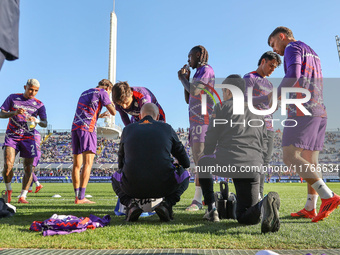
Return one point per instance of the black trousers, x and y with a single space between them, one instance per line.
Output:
172 198
248 209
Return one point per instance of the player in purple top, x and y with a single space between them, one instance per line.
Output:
301 143
22 111
84 135
202 81
261 97
129 101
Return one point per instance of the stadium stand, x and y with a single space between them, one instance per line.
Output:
57 157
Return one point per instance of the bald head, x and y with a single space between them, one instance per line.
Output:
149 109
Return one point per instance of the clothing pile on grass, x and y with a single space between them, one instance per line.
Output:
67 224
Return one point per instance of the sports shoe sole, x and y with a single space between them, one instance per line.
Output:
271 221
163 213
134 215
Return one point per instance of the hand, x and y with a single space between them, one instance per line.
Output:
104 114
184 72
19 111
32 119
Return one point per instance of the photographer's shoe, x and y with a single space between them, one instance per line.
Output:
270 216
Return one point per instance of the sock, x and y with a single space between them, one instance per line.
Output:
37 183
311 202
35 179
81 193
8 186
24 193
76 192
30 188
211 206
198 194
322 189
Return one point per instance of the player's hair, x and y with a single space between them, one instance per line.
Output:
120 91
105 83
237 80
269 55
284 30
204 54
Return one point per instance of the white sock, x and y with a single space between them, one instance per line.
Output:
30 188
8 186
24 193
311 202
198 194
322 189
37 183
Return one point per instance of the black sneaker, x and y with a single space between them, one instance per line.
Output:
270 215
164 211
133 211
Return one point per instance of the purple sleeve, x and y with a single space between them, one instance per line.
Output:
293 62
206 76
104 97
100 222
251 83
42 113
7 105
124 116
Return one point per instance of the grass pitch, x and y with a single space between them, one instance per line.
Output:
188 230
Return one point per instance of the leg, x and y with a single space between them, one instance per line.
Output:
197 150
9 156
77 163
309 210
175 197
248 209
123 197
28 165
267 159
88 157
207 184
330 201
7 173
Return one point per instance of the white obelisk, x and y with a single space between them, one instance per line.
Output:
113 55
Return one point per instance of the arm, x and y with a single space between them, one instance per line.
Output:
4 114
293 61
124 116
121 152
111 108
186 96
178 150
212 134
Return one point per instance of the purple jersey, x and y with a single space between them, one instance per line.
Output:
140 96
300 54
17 125
204 75
261 88
89 106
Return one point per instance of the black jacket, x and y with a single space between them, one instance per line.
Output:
145 158
236 143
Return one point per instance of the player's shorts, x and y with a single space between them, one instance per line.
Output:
197 133
308 134
26 147
84 141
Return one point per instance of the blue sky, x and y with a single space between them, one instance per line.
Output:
65 45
